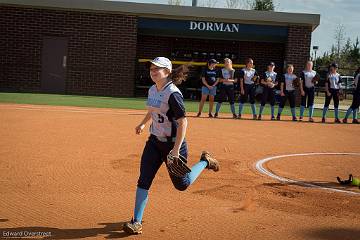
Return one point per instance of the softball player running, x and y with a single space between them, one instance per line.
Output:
226 86
268 81
167 138
209 81
309 78
356 100
332 88
248 79
287 91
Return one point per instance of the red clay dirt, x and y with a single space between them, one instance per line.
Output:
73 172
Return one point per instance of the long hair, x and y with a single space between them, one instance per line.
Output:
230 63
179 74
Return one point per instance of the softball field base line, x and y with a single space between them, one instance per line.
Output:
259 167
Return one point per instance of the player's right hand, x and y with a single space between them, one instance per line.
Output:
328 94
242 92
282 94
139 129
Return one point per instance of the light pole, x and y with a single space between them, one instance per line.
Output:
315 48
194 3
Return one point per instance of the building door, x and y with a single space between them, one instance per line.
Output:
54 60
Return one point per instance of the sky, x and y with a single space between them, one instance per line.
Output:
332 13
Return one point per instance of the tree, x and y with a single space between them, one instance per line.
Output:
176 2
262 5
339 38
232 3
354 54
238 4
209 3
348 57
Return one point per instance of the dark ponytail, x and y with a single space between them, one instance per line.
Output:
179 74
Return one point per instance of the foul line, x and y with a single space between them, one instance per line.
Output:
259 167
71 109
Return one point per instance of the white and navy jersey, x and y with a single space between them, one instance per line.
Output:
247 75
288 81
334 80
165 106
227 74
307 77
271 75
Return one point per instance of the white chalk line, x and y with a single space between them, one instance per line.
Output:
259 167
72 109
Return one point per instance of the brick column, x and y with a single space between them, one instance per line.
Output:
297 50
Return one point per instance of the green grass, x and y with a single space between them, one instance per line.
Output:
72 100
120 103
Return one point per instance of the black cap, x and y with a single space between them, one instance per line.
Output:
211 61
334 65
271 64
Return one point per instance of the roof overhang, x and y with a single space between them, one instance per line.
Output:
177 12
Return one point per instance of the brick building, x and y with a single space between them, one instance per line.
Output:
98 47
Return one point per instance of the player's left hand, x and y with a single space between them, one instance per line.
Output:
175 152
302 93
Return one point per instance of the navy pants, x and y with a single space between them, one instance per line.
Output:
154 154
334 94
268 94
309 97
249 93
227 90
290 95
356 100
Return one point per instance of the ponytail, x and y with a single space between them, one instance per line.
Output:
179 74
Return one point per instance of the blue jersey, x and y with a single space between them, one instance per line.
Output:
165 106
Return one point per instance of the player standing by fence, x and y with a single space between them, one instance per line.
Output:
332 89
269 82
354 108
309 78
226 86
248 79
209 81
287 91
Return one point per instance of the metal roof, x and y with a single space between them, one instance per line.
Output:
176 12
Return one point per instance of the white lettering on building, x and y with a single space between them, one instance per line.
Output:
214 27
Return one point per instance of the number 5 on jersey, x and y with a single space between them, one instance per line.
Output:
161 118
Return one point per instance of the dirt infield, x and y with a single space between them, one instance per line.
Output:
71 173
